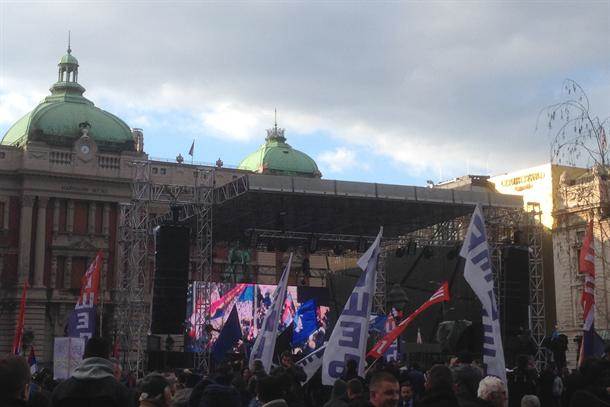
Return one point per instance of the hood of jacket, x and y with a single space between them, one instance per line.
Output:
94 368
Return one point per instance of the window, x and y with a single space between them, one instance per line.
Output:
163 171
155 170
2 154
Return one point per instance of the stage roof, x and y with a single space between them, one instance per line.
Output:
309 205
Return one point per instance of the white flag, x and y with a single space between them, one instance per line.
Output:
348 340
312 362
478 273
264 346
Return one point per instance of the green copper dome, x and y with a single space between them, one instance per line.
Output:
59 118
278 157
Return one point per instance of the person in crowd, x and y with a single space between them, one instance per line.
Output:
155 391
416 376
530 400
550 387
258 372
290 378
406 394
14 381
93 382
493 390
594 389
384 390
269 393
439 388
338 396
466 380
523 380
220 395
355 393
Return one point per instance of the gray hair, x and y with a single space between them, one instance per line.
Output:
488 386
529 400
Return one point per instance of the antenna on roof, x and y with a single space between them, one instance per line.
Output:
69 49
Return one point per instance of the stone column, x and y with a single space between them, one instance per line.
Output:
41 227
91 222
53 280
25 237
70 217
56 215
106 220
68 272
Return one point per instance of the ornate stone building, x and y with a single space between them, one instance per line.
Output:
64 169
581 199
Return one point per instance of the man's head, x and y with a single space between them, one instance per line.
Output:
155 389
116 368
493 390
97 347
14 378
406 390
439 379
287 359
466 379
530 400
355 389
268 389
384 390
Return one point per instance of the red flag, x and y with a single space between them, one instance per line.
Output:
116 348
20 321
90 284
587 267
442 294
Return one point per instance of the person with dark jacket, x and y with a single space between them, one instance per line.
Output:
14 381
466 379
439 389
93 383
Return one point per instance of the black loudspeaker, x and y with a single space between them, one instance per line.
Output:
171 279
514 297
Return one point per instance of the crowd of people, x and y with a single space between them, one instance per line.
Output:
99 381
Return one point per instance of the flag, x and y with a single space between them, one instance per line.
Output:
440 295
377 323
348 339
478 274
419 340
288 313
218 307
81 322
192 149
32 361
20 321
392 353
264 345
587 267
590 346
229 335
312 362
305 322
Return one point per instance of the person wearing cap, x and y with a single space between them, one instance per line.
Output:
155 391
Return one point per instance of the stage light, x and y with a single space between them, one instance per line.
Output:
338 250
412 248
400 251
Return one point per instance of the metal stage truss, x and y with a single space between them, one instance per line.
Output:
197 204
153 204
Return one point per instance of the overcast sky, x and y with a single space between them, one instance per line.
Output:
395 92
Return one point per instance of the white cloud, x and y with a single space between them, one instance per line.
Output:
339 160
431 86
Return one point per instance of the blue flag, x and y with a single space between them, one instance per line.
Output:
305 322
229 335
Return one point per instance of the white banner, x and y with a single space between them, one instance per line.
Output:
348 340
478 273
312 362
67 355
264 346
